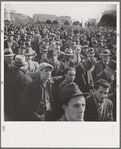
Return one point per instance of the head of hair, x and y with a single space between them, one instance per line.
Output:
68 69
102 83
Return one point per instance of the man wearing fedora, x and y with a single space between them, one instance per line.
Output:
67 59
8 61
98 106
73 103
82 78
32 65
37 101
101 65
14 85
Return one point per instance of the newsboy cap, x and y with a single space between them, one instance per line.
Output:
69 91
44 65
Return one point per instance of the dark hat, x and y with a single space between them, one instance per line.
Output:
105 52
70 90
22 46
29 52
112 65
44 48
20 60
87 64
90 50
28 44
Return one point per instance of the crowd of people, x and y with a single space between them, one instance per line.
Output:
59 73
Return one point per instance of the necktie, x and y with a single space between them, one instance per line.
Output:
100 110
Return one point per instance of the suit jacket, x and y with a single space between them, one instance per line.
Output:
99 67
81 79
91 113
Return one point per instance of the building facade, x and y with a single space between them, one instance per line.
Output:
44 17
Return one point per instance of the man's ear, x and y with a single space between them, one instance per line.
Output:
64 107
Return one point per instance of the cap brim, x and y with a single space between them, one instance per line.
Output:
105 54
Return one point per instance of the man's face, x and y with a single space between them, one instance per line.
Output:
101 93
28 57
77 51
53 59
57 48
90 55
105 58
74 111
70 76
46 73
10 38
8 59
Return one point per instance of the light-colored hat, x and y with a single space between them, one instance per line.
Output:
44 65
8 52
20 60
105 52
68 52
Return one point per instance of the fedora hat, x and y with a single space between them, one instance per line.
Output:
87 64
29 52
8 52
112 65
44 48
91 50
20 60
44 65
105 52
70 90
22 45
68 52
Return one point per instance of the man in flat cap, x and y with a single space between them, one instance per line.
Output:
73 103
37 99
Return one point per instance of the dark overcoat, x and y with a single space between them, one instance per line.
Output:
14 85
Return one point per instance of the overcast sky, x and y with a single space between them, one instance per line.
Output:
77 10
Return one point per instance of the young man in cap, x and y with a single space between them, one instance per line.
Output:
101 65
98 106
82 78
14 85
73 103
37 99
